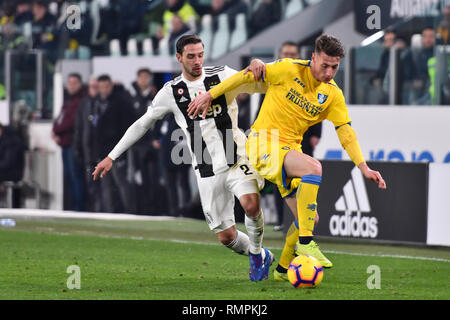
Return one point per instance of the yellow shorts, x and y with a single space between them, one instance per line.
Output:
266 154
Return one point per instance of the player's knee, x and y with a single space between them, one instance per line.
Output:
315 167
251 206
227 236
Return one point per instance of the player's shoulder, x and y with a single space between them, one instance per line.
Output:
301 62
332 85
212 70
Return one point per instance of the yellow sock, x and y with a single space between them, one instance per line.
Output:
307 204
289 246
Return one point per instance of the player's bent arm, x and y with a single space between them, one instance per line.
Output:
349 142
231 83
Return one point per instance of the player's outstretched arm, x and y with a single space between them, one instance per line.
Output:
102 168
258 68
202 102
349 142
131 136
370 174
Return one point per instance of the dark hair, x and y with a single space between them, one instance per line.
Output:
289 43
75 75
145 70
104 77
330 45
42 3
185 40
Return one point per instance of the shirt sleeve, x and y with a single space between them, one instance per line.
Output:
277 70
247 87
156 111
338 113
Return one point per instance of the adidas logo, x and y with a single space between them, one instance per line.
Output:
353 200
183 99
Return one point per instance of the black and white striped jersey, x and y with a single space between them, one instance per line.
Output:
216 142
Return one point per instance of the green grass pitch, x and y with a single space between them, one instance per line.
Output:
181 259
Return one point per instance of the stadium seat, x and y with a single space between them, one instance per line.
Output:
239 34
114 48
206 33
164 46
292 8
132 49
147 47
221 37
84 53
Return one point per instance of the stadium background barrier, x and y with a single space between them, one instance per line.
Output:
393 133
413 210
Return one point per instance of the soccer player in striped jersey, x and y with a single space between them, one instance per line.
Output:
300 94
217 148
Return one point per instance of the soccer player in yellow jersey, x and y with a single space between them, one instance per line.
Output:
300 94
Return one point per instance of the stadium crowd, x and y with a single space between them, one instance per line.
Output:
43 24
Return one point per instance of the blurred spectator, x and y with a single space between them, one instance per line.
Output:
83 144
8 33
444 26
113 114
184 10
420 94
122 19
388 42
44 29
146 150
267 14
62 134
230 8
12 159
178 29
176 176
23 12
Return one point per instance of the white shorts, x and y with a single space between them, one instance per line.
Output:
217 193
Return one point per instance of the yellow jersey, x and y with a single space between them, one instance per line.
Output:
295 100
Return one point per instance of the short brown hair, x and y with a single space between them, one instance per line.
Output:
330 45
185 40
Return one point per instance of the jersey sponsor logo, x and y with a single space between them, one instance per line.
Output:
299 82
354 199
303 103
322 98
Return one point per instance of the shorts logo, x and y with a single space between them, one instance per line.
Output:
285 148
322 98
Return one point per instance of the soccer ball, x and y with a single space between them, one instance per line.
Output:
305 271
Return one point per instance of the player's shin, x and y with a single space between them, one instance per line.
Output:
307 206
255 231
288 252
240 244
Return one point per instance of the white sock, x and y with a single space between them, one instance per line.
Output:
255 230
240 244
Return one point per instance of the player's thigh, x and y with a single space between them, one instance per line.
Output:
297 164
217 202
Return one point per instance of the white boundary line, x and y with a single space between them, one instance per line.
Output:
40 213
